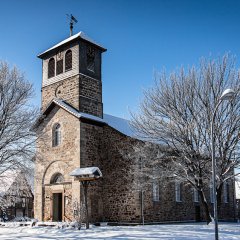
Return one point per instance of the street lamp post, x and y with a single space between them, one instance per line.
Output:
226 95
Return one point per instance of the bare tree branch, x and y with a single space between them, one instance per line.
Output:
17 148
177 113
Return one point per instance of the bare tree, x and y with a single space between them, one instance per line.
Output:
177 113
16 118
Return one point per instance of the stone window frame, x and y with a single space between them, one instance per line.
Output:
178 191
56 135
68 60
155 191
51 67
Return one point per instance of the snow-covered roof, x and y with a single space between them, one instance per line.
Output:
81 35
120 124
6 180
11 181
76 113
92 172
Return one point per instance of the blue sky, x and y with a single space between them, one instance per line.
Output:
141 36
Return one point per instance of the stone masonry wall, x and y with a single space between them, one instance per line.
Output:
69 89
111 198
83 93
167 209
121 203
90 155
60 159
90 96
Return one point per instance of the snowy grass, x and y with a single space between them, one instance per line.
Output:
193 231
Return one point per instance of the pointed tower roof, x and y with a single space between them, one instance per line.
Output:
80 35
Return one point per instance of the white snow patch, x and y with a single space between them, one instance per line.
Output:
76 113
120 124
227 231
78 35
93 171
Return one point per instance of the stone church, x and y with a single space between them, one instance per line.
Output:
73 132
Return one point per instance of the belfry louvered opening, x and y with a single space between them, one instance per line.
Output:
59 66
51 68
68 60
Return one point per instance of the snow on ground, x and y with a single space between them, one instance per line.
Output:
201 231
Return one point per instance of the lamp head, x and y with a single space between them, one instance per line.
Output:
227 94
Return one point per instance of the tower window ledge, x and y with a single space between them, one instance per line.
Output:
91 70
68 70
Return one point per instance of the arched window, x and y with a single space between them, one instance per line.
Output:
56 135
178 191
195 195
155 191
57 178
90 58
60 66
68 60
226 192
51 68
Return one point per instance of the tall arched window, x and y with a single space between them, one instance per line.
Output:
60 66
178 191
68 60
195 195
155 191
226 192
57 178
90 58
51 68
56 135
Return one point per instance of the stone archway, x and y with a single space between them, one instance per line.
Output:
56 167
55 181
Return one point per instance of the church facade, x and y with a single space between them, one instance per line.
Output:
73 132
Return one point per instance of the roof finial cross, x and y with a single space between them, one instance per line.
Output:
72 21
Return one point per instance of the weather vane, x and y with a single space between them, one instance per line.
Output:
72 21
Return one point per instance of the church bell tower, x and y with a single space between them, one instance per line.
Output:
71 72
